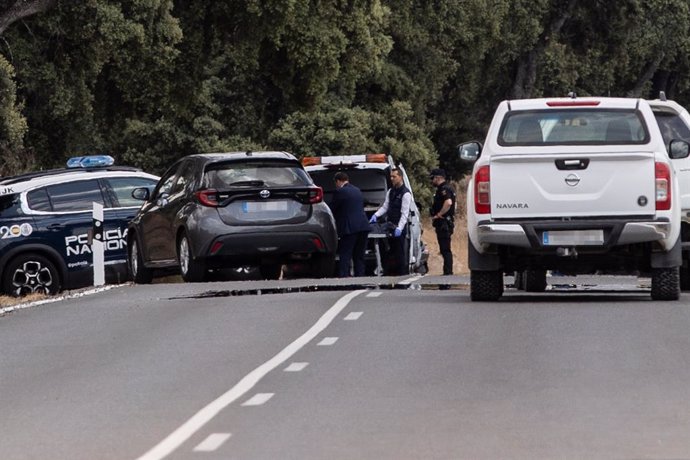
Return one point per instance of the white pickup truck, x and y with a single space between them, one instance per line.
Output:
574 185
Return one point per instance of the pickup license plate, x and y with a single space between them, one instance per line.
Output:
573 238
264 206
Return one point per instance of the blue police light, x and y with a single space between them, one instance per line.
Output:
90 161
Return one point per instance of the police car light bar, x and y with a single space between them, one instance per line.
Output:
345 159
90 161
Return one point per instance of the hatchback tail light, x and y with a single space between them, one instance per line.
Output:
482 195
315 195
208 197
662 174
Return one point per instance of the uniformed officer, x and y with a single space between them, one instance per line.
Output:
397 207
443 217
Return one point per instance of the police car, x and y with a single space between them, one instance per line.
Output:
46 217
371 174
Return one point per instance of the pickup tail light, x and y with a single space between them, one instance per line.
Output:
208 197
482 194
662 174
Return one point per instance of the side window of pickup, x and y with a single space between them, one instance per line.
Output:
672 127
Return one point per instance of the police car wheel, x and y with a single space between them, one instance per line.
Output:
192 270
140 274
29 274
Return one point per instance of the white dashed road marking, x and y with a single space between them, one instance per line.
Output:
296 367
374 294
201 418
411 279
258 399
213 442
353 316
327 341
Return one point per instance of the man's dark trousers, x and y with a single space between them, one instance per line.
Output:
443 236
352 247
398 253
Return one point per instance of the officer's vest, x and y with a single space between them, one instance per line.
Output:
395 196
439 199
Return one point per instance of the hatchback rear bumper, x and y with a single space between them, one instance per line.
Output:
255 248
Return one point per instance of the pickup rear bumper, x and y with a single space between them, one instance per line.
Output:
529 235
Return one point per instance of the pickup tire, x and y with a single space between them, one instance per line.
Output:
486 285
665 283
534 280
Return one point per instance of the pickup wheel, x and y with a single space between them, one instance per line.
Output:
534 280
665 283
685 273
486 285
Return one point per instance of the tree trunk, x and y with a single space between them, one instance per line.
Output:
526 75
22 9
648 73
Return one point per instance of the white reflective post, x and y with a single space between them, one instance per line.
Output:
97 247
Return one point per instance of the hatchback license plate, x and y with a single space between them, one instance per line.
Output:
573 238
264 206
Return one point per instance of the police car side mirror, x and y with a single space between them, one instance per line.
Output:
470 151
141 193
678 149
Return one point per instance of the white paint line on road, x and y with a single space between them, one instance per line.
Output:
296 367
213 442
375 294
258 399
411 279
328 341
198 420
353 316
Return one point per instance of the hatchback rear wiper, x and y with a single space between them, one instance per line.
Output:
248 183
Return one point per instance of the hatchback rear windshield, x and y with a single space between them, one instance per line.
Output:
573 127
247 174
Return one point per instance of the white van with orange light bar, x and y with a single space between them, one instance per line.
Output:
574 185
371 173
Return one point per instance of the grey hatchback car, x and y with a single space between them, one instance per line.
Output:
215 211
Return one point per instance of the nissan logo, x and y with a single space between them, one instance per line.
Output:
264 194
572 180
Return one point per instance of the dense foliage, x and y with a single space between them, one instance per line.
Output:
148 81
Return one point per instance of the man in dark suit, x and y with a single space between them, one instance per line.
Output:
352 224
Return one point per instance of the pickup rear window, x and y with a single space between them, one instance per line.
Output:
573 127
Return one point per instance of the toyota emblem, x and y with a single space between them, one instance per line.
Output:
264 194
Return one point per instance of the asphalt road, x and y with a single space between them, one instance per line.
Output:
590 369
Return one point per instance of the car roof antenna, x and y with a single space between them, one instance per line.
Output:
662 95
248 153
572 95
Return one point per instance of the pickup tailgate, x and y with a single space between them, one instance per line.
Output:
578 185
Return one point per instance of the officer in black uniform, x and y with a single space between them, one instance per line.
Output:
443 217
